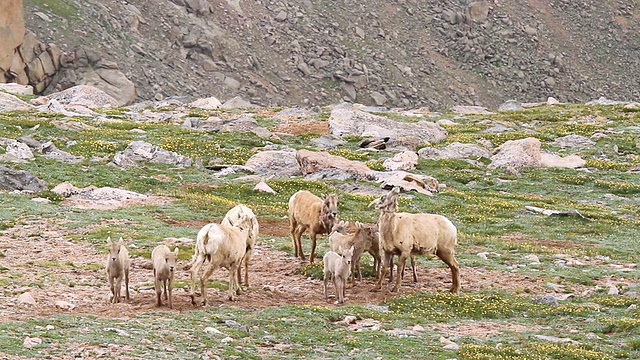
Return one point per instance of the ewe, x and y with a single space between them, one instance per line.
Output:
232 218
337 268
223 246
307 211
364 239
164 264
406 234
117 267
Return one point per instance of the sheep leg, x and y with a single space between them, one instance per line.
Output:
402 259
294 231
232 282
385 264
413 267
113 290
313 246
203 282
391 268
126 283
326 280
339 281
158 287
297 241
449 258
166 297
116 295
197 264
170 281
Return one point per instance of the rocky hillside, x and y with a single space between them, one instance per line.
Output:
401 53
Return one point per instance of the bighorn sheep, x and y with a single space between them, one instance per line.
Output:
164 263
117 267
307 211
337 268
232 218
224 246
406 234
364 239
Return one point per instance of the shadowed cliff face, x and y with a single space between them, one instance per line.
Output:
11 32
396 54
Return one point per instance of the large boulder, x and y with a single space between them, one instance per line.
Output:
346 120
89 96
141 151
107 77
12 180
10 102
570 161
406 160
11 32
517 154
312 162
276 163
455 150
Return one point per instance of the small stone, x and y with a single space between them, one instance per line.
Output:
50 327
30 342
211 330
417 328
613 290
64 305
26 298
226 340
350 319
262 186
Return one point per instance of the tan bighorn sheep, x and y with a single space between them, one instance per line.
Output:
307 211
337 268
223 246
364 239
117 267
164 265
232 218
407 234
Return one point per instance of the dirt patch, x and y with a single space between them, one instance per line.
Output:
39 259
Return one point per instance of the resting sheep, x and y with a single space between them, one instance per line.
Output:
406 234
164 263
337 268
232 218
364 239
117 267
223 246
307 211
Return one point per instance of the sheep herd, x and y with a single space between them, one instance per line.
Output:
230 245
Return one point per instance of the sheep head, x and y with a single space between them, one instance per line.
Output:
329 212
114 248
171 258
347 255
340 227
389 202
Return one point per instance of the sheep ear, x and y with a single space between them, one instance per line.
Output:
109 242
340 249
396 190
352 247
121 241
176 250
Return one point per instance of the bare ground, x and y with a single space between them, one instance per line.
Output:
40 260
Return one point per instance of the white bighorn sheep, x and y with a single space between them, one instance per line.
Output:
164 265
337 268
223 246
405 234
364 239
117 267
307 211
232 218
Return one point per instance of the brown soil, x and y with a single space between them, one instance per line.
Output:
38 259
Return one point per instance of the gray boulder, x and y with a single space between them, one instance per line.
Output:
141 151
274 163
89 96
406 160
312 162
12 180
574 141
345 120
455 150
517 154
9 102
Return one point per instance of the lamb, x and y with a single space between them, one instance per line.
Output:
164 264
364 239
307 211
406 234
117 267
223 246
232 219
337 268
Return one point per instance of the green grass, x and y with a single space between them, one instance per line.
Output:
486 205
